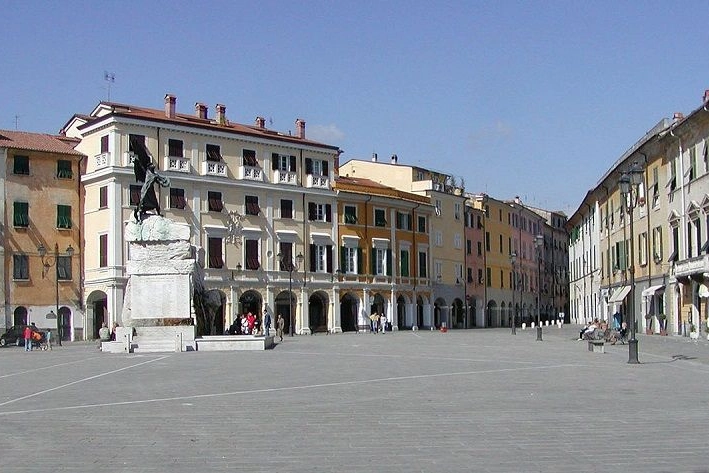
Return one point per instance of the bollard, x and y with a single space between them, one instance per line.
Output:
524 325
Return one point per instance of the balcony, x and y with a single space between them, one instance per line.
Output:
214 168
285 177
176 163
687 267
102 160
251 173
319 182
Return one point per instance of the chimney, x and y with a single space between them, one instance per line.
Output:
260 122
517 200
706 96
221 114
200 110
677 117
374 157
300 128
170 101
394 159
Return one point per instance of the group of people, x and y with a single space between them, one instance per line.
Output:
33 336
377 323
589 332
250 324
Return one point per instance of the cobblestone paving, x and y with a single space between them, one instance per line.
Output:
462 401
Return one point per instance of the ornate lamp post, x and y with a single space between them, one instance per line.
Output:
513 260
539 244
47 263
290 265
629 184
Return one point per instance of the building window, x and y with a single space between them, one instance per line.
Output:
487 241
350 259
480 248
64 169
457 212
136 145
320 261
175 148
214 201
21 214
177 198
252 259
103 250
285 257
316 167
488 277
404 263
423 265
692 171
481 278
438 238
104 144
214 153
319 212
381 257
457 241
20 267
470 275
657 244
469 247
642 248
422 224
64 268
380 218
283 162
500 244
134 195
350 215
63 216
655 188
403 221
286 208
214 246
249 157
21 165
438 270
252 207
103 197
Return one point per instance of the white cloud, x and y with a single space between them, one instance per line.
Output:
329 134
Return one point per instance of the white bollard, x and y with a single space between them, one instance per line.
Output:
531 325
524 325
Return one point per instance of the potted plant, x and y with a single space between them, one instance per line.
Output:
648 324
662 319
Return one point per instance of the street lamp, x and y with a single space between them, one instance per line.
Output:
513 260
48 263
289 265
539 243
629 184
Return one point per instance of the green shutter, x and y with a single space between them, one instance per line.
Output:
389 260
360 260
63 216
20 217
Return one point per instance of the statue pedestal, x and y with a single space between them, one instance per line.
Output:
163 275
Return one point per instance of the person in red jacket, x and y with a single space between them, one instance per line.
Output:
251 319
27 335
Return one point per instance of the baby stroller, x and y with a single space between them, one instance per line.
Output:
620 335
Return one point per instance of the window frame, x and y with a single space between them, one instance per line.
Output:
177 198
64 169
21 165
64 217
20 267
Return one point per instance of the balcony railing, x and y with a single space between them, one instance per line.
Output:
251 173
214 168
128 158
176 163
321 182
285 177
102 160
698 264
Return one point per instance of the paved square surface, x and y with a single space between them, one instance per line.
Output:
462 401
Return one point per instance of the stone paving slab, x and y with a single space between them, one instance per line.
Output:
474 400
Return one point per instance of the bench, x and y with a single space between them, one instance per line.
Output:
597 346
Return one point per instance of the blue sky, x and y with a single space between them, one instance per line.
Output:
536 99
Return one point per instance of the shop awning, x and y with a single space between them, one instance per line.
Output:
650 291
619 294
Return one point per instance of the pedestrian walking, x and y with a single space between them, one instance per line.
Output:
383 323
267 324
27 335
279 327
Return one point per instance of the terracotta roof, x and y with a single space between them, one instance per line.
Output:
38 142
360 185
119 109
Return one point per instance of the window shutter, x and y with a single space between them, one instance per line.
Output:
343 258
308 166
311 211
373 260
292 164
389 262
313 252
325 169
274 161
328 257
328 213
360 260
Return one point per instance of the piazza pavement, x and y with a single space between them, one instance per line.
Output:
463 401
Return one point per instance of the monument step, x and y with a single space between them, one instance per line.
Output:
153 346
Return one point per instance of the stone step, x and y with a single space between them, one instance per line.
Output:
150 345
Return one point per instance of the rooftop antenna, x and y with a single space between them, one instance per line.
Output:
17 120
109 77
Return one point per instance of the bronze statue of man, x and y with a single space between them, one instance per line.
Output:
144 170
